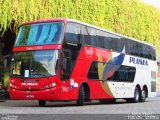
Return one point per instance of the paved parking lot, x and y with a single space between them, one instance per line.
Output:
150 107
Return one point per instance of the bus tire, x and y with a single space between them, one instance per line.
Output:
136 98
42 103
143 95
81 96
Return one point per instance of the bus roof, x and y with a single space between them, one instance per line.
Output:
76 21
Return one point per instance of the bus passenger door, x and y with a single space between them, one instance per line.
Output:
65 74
67 66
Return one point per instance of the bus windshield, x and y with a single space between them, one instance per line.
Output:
35 64
40 34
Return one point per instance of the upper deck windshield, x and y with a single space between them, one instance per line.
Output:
40 34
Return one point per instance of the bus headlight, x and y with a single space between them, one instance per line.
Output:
50 85
53 84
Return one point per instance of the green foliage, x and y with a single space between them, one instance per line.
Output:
128 17
6 79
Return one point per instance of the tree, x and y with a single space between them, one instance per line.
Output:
128 17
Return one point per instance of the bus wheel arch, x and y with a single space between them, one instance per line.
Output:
136 96
87 91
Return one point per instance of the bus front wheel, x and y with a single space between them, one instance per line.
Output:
81 96
42 103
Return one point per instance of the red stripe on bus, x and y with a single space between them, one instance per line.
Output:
44 47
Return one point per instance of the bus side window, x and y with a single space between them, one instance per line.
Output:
103 39
114 43
72 33
139 50
152 53
149 55
133 48
93 71
106 40
124 43
88 35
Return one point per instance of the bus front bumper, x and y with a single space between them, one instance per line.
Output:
45 94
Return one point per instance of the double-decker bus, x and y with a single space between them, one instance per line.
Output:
67 60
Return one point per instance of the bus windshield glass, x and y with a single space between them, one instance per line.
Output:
35 64
40 34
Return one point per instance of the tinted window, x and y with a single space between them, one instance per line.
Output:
100 39
114 43
72 33
121 45
133 48
153 54
123 73
144 51
149 55
103 39
130 73
124 42
106 40
88 35
139 49
93 71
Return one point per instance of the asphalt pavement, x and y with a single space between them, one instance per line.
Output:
91 110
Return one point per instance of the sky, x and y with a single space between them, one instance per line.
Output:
155 3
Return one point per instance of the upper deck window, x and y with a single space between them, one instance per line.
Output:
40 34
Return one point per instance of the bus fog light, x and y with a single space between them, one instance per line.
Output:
13 86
